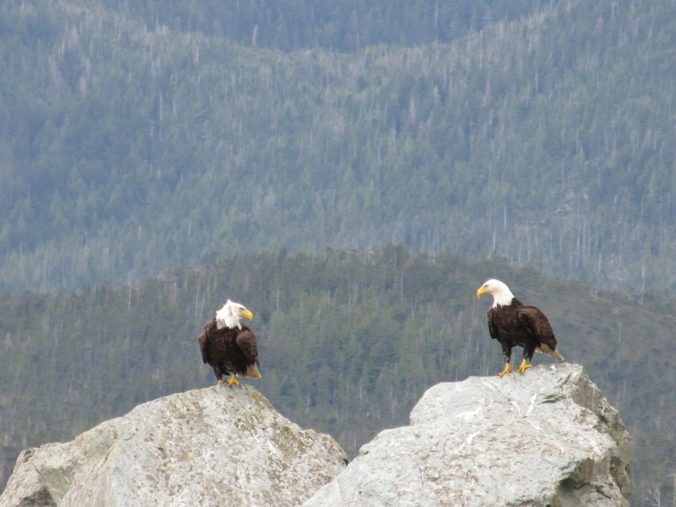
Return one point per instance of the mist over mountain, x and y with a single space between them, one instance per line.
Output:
138 136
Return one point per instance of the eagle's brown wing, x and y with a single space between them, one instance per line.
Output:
536 322
492 330
208 327
246 341
203 347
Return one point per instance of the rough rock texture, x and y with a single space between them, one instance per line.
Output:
215 446
548 437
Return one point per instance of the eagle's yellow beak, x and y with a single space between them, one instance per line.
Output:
244 312
481 291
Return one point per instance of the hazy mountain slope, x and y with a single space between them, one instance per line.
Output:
347 345
124 150
342 25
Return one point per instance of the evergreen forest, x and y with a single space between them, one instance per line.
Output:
137 137
351 171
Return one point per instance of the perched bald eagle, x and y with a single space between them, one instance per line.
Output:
228 346
513 323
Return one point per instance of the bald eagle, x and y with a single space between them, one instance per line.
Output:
228 346
513 323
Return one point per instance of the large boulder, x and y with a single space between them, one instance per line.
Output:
214 446
545 438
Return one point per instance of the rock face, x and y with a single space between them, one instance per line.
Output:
215 446
547 438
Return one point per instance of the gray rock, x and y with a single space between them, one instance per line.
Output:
548 437
215 446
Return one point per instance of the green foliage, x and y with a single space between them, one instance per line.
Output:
137 136
348 343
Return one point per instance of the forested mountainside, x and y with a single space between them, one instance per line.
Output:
137 136
347 343
342 25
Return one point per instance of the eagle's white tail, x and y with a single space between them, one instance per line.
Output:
252 371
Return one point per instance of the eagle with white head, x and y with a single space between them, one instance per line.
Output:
512 323
228 346
231 314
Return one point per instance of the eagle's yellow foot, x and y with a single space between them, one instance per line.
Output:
233 380
524 366
508 369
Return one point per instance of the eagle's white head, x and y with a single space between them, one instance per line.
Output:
230 315
501 294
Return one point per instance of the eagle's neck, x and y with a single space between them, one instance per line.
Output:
229 323
502 297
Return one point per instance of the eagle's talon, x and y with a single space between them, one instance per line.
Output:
220 383
524 366
507 369
233 380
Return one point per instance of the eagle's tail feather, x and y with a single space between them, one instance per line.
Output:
552 353
252 371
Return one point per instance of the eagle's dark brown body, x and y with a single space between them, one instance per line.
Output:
517 324
229 350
